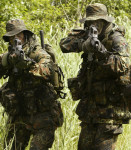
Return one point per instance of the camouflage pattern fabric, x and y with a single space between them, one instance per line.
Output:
42 140
14 27
30 100
42 126
98 136
19 132
96 11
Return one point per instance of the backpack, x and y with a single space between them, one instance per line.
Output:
58 80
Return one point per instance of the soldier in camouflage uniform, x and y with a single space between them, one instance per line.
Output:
29 96
101 80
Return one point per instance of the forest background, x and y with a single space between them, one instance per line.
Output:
56 18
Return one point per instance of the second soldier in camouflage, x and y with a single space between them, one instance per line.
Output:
101 80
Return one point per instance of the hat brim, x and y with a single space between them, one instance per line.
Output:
14 32
106 18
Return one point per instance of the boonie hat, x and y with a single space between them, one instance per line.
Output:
96 11
14 27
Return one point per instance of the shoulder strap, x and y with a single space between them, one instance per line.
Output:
50 51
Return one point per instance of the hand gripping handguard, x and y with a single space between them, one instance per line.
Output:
14 53
17 59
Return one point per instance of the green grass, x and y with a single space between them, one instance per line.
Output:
66 137
124 140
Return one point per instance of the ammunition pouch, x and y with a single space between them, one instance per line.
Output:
58 81
58 77
9 100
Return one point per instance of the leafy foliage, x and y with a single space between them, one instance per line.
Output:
47 14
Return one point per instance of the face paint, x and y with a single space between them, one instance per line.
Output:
19 36
97 23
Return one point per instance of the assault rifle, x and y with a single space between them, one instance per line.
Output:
17 57
16 48
16 51
92 33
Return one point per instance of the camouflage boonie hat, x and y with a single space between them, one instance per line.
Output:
96 11
14 27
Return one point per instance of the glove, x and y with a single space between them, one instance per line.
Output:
12 59
102 52
24 63
9 59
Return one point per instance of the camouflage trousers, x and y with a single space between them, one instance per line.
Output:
31 112
42 128
98 136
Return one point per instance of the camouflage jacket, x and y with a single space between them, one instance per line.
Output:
100 82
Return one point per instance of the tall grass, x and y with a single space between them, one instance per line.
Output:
66 137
